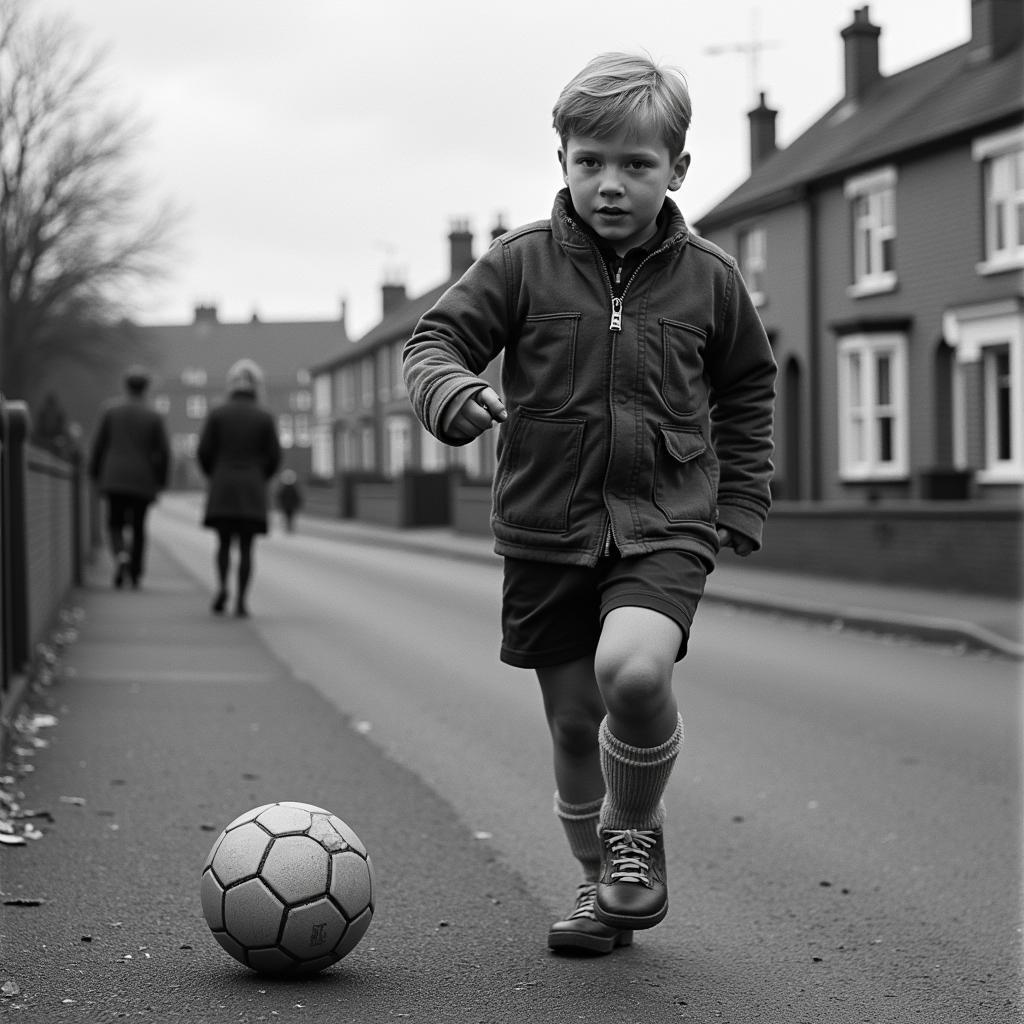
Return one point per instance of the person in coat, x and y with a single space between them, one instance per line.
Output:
129 463
239 453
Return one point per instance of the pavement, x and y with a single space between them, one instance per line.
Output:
153 723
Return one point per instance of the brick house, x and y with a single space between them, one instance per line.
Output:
189 363
885 247
363 423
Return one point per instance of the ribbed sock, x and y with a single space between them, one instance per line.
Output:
580 824
636 778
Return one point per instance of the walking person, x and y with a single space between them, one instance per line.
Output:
129 464
239 453
632 349
289 498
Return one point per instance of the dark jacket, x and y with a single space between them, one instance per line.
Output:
647 429
239 452
130 454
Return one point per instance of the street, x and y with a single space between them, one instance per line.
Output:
844 821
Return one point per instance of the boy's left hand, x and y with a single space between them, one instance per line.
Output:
743 546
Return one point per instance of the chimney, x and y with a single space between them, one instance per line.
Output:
861 54
461 240
392 294
762 133
996 28
499 228
205 314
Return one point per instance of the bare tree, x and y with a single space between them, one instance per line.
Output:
73 240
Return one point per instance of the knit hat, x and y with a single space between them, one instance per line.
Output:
244 377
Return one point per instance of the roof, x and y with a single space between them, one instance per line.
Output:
936 102
281 348
398 324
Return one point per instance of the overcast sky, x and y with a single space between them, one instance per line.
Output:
316 146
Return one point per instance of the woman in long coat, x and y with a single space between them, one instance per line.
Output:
239 452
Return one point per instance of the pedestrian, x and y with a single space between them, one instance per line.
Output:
239 453
289 498
129 464
635 441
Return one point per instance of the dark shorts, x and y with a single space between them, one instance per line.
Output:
552 613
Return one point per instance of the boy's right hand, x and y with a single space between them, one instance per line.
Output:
467 418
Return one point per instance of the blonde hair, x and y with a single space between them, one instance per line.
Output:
616 89
245 377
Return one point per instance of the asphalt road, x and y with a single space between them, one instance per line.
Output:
843 840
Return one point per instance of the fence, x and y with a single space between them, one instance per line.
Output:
43 543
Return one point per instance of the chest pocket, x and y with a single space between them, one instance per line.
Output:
545 360
682 366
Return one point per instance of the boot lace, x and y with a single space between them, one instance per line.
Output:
631 854
586 894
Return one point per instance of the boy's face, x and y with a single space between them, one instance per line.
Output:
618 183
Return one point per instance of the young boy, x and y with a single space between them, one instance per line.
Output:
635 441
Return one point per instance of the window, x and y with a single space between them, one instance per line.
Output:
1002 165
162 404
988 413
873 407
346 384
366 383
322 396
195 407
284 431
301 401
397 378
433 454
302 432
873 230
193 377
399 437
384 373
752 244
322 455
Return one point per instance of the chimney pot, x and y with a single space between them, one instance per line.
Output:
860 50
997 27
762 133
460 239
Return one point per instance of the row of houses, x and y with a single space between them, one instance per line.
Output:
885 250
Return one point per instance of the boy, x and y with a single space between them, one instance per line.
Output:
635 441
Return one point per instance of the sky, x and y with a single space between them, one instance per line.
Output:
318 147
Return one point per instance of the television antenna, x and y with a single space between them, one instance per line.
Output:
752 49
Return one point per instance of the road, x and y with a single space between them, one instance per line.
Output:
844 829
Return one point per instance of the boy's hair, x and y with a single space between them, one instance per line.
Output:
616 89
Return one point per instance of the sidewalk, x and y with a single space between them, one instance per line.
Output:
958 619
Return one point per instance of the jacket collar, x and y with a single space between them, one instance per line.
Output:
572 233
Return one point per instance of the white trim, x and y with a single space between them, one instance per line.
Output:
997 144
877 284
872 181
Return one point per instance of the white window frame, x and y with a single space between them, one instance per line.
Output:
285 432
322 396
397 371
870 233
322 452
752 244
195 407
976 332
398 432
860 416
433 453
1007 207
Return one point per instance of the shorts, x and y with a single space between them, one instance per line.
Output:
552 613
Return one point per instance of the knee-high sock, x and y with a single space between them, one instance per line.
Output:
635 779
580 824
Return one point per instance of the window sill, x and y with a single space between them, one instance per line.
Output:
1000 264
1009 475
872 286
872 476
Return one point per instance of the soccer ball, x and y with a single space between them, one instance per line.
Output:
287 888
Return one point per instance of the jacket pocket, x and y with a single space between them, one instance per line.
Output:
545 358
539 469
686 476
682 367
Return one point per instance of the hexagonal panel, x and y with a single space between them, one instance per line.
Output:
247 816
211 895
351 883
236 950
253 914
271 961
296 868
240 853
285 819
326 834
313 930
348 835
355 931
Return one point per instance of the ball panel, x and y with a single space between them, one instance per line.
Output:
326 834
353 933
312 931
285 819
348 835
350 883
248 816
236 950
253 914
296 869
271 960
307 807
211 896
240 853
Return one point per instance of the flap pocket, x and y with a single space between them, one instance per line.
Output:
684 443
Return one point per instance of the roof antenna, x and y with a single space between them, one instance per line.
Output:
753 48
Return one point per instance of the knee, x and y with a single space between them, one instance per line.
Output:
574 732
633 687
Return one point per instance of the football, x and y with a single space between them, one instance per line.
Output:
287 888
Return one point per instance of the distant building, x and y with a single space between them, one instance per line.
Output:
190 361
885 250
363 422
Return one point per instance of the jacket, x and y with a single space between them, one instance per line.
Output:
130 453
239 452
643 421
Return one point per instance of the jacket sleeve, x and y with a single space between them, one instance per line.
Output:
206 451
455 340
742 375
